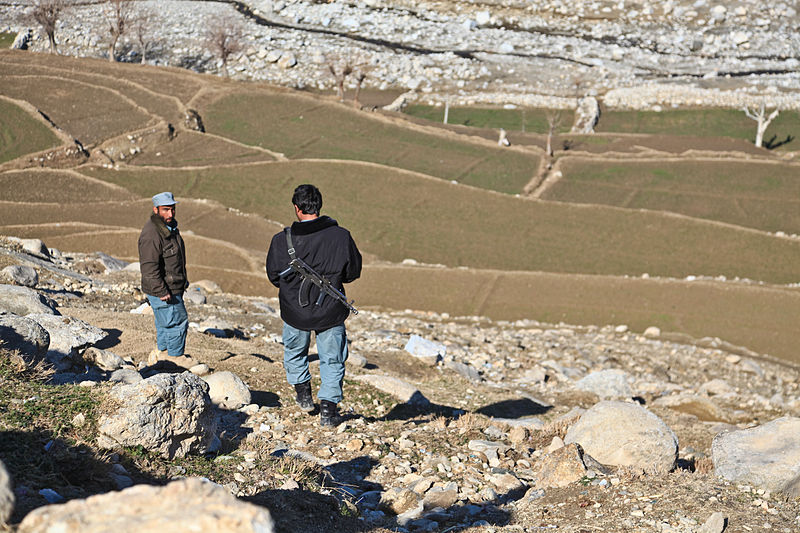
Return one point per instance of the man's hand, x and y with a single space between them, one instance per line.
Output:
166 298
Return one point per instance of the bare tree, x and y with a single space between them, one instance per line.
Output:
760 116
224 37
361 72
141 27
118 15
553 122
46 13
340 73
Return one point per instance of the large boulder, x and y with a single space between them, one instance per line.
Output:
191 504
625 434
767 456
22 275
428 351
170 414
6 495
68 337
227 390
24 301
23 335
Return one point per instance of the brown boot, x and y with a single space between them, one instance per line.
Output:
155 356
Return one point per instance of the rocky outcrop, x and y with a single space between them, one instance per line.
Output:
22 275
587 115
170 414
68 337
191 504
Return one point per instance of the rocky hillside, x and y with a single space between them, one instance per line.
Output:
451 423
682 52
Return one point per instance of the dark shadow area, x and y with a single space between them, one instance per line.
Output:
407 411
518 408
38 460
774 143
265 398
303 510
11 340
111 339
196 63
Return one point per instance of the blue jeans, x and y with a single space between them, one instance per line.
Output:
332 349
172 323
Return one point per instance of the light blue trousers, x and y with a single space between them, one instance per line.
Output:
332 349
172 323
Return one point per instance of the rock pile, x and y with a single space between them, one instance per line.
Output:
508 52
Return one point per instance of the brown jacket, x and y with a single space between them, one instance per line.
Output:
162 259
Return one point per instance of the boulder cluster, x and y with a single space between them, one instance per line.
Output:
449 421
532 54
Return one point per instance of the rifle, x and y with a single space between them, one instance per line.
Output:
325 287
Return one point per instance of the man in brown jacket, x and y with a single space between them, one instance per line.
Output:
162 261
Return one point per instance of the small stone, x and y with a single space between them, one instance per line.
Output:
355 445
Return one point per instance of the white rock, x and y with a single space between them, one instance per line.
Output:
625 434
767 456
192 504
227 390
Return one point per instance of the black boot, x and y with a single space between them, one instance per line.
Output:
304 398
328 414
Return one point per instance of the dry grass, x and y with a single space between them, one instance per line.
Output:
98 114
21 134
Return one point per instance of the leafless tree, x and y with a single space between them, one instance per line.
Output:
46 13
142 29
553 122
360 74
340 73
761 117
118 15
224 37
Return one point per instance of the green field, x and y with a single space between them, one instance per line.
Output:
704 122
7 39
532 120
22 134
396 216
761 195
304 128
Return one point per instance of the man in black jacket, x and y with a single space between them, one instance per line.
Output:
330 251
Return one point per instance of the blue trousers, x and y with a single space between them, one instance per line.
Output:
172 323
332 350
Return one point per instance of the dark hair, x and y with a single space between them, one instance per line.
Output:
308 199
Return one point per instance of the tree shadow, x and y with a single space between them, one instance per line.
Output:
773 143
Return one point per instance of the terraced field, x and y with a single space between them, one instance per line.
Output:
617 238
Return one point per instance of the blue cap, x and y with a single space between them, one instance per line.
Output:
163 198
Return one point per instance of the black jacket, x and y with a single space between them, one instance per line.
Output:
162 259
328 249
